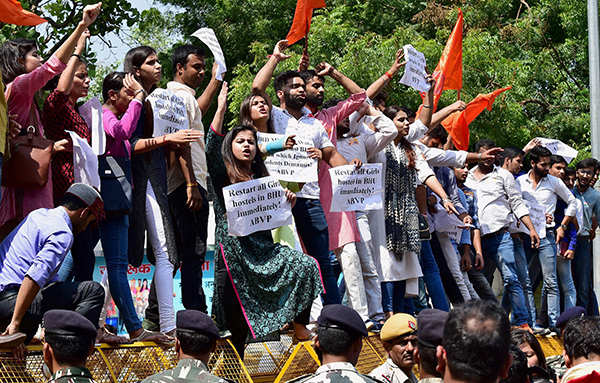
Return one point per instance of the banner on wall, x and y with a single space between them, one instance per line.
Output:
139 284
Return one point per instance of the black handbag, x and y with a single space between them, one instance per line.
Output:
115 184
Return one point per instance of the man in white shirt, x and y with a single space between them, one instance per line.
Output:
539 186
293 118
187 180
498 198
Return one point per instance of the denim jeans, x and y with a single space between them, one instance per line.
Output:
114 238
500 248
450 286
546 254
393 298
582 269
523 275
79 263
431 276
312 228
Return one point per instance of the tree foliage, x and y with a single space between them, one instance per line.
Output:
63 16
537 46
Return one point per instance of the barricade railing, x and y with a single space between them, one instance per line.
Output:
263 362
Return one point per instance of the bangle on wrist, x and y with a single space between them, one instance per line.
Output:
191 184
446 200
427 106
479 157
76 55
164 139
141 90
388 75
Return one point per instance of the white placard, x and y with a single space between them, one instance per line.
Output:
356 189
256 205
557 147
169 112
85 162
293 165
414 70
91 112
208 37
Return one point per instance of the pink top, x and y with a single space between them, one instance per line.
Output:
342 225
119 131
21 93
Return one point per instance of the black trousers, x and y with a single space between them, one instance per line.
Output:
86 298
191 231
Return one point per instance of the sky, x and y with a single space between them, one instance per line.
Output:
108 55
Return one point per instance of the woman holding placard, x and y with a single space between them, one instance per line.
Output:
265 283
150 204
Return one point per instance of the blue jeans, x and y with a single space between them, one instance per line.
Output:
114 238
582 268
392 294
546 254
79 263
431 276
567 285
523 276
312 228
500 248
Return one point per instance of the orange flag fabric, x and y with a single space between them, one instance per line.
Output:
11 12
302 19
448 72
457 124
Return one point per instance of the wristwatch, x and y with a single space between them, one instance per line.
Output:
564 227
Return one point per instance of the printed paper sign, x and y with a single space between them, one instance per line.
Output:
208 37
414 70
557 147
91 112
356 189
293 165
256 205
169 112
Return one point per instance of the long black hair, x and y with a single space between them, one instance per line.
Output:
135 58
246 109
234 170
391 112
12 58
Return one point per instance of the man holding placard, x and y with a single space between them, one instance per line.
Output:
187 179
293 118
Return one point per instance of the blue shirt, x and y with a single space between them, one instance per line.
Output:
591 207
36 248
448 181
469 201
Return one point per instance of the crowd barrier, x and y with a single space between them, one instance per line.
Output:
275 362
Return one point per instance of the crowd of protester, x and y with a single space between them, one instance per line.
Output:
524 216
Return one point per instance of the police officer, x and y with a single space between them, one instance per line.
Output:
196 339
68 341
399 337
338 343
430 323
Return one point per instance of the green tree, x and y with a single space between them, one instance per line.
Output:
537 46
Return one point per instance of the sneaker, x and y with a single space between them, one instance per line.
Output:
540 331
150 326
373 326
224 334
552 332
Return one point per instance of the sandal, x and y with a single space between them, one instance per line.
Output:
12 341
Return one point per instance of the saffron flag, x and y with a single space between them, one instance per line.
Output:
11 12
457 124
448 72
302 19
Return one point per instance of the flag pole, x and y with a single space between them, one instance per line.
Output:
458 95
